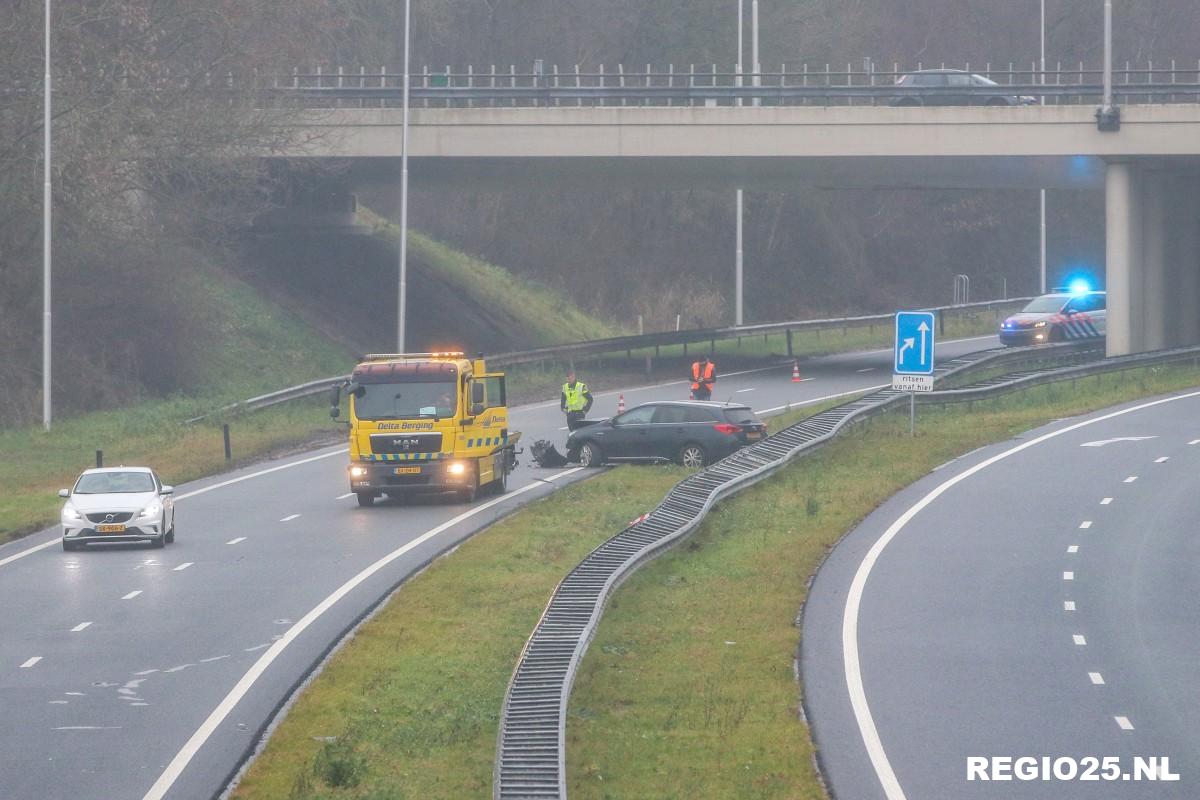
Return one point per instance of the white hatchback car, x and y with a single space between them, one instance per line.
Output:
118 504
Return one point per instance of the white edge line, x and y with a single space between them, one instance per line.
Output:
809 402
206 729
853 669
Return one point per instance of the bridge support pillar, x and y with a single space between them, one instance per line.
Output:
1183 263
1155 306
1121 248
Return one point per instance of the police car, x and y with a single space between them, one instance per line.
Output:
1057 317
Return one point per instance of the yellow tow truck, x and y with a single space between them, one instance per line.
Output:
426 422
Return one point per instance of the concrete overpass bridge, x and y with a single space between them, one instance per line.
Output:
1149 168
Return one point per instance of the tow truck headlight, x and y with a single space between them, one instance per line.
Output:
1040 324
70 512
358 472
456 468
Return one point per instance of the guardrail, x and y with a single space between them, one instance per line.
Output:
616 344
548 85
531 747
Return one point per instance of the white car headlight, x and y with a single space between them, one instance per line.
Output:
70 512
357 472
456 468
1040 324
153 510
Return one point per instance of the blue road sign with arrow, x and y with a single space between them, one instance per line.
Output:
914 343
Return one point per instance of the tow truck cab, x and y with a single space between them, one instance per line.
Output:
426 422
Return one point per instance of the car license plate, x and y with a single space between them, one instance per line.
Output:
407 471
753 434
110 528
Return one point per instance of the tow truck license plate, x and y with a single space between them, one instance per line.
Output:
110 529
407 471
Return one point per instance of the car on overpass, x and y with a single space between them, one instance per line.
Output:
118 504
1057 317
952 87
690 432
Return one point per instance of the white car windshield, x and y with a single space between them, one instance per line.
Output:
115 483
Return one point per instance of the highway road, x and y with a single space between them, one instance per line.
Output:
127 672
1037 598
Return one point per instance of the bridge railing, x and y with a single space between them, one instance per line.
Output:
705 84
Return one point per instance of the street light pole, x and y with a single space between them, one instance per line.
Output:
46 217
403 290
1042 193
737 279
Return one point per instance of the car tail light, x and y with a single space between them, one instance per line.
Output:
727 429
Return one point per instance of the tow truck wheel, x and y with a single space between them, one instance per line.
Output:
501 483
467 494
365 499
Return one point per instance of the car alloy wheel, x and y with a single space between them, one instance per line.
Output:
691 456
590 455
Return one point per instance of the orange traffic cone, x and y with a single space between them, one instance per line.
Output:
621 403
795 372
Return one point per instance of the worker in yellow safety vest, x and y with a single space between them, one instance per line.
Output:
575 401
704 375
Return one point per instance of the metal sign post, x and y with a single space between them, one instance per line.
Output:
912 364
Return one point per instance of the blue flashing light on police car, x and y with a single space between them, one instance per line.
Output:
1079 286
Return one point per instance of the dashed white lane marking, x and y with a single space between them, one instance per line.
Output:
850 656
1073 548
80 627
31 662
1161 460
802 403
235 541
743 391
289 518
256 647
344 496
1078 639
146 672
1194 441
1096 678
868 369
180 668
1124 723
1106 501
1068 576
88 728
132 594
1068 605
183 566
1087 523
175 768
1131 479
212 659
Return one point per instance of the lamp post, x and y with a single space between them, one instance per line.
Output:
403 288
1042 193
46 215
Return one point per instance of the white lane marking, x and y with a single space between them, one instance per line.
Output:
58 702
80 627
206 729
563 428
344 496
1102 442
260 473
212 659
1068 576
1194 441
183 566
1096 678
868 369
289 518
30 551
132 594
1124 723
1106 501
1161 460
1087 523
1073 548
1078 639
802 403
1131 479
146 672
235 541
88 728
751 389
1068 605
853 669
31 662
180 668
256 647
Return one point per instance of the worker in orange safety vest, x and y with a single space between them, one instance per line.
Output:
704 375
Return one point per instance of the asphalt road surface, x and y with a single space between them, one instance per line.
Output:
1039 598
127 672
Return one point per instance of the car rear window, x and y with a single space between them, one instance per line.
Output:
741 416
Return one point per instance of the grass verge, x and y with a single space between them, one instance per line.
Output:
409 708
688 689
